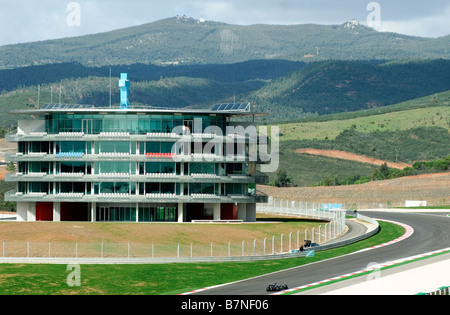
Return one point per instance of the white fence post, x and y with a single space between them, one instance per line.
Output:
265 245
290 235
273 244
281 247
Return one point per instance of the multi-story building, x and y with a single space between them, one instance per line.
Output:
85 163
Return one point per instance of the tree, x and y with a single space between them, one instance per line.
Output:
11 167
381 173
282 179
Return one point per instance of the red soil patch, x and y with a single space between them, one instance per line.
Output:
352 157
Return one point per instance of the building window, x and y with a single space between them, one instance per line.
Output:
157 214
73 147
201 188
117 167
117 147
164 188
116 188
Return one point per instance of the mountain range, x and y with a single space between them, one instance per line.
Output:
182 40
291 71
346 76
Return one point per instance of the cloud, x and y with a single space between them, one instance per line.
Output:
428 26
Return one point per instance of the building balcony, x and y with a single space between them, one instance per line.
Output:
149 177
13 195
112 156
114 136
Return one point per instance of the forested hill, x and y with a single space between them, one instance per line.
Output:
343 86
183 40
290 71
11 79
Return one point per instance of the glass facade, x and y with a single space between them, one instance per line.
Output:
132 123
148 213
126 158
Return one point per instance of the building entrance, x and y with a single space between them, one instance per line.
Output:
103 214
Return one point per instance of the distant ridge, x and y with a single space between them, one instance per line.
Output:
183 40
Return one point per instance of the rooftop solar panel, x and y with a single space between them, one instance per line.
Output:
244 106
232 107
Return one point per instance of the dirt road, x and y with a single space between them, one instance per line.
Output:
352 157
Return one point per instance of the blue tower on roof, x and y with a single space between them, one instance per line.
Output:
124 85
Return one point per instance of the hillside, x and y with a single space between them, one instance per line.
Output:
428 111
287 89
182 40
403 133
344 86
389 193
291 71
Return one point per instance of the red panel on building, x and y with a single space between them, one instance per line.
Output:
228 211
44 211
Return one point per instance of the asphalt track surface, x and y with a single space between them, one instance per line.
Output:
431 232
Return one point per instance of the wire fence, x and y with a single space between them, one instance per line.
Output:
282 242
312 206
279 243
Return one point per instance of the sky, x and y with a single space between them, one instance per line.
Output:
30 20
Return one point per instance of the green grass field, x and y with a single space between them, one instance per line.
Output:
157 279
438 116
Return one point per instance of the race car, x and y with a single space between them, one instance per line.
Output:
276 287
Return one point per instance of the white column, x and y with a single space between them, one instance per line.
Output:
22 211
242 211
216 211
180 212
31 211
93 212
56 212
137 211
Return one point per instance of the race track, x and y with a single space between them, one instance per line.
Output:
431 232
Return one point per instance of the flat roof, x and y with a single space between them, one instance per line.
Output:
69 108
